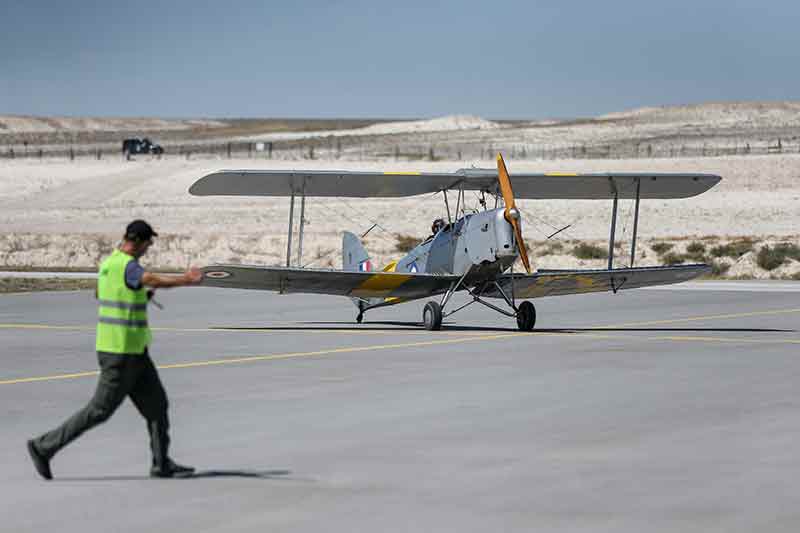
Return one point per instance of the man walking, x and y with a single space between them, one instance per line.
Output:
126 369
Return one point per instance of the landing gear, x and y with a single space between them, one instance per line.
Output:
360 316
526 316
432 316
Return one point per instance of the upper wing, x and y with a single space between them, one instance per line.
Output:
321 281
561 282
320 183
598 186
394 184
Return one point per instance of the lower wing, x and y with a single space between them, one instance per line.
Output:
561 282
321 281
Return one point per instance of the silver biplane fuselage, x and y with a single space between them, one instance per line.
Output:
478 244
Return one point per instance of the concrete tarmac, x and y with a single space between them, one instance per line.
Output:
652 410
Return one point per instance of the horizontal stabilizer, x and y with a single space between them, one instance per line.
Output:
561 282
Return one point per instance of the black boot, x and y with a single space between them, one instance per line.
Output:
170 468
40 462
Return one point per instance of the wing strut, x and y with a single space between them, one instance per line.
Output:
300 230
635 221
302 223
613 225
291 222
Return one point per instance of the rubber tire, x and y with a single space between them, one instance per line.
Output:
432 316
526 316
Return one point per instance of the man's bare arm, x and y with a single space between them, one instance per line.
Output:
163 281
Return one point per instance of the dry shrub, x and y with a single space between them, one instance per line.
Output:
734 249
662 247
589 251
771 258
696 251
673 259
553 248
405 243
719 268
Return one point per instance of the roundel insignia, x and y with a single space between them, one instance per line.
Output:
218 274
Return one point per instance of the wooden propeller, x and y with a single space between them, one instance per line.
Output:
512 214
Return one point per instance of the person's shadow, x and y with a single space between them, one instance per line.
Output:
213 473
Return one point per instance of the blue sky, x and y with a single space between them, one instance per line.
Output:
341 58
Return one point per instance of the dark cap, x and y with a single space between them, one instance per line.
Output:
139 230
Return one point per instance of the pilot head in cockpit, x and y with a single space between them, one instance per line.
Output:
437 226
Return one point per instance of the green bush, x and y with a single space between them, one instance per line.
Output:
771 258
734 249
589 251
662 247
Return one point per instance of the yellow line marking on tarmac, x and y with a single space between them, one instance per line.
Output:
271 357
724 339
354 349
707 317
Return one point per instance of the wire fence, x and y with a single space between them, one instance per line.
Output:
331 148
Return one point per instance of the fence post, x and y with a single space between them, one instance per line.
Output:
229 150
269 149
71 153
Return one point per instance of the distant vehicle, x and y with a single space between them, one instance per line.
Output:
140 146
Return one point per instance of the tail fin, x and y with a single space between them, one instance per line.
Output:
354 256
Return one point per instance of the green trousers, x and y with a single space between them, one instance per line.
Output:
121 375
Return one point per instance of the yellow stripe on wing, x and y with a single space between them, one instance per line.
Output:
401 173
380 285
561 174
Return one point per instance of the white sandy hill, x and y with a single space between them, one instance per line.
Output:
754 114
441 124
30 124
447 123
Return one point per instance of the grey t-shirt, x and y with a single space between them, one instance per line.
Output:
133 275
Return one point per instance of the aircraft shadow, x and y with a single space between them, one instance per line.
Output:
366 326
401 326
256 474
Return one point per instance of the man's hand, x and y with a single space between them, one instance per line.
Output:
193 276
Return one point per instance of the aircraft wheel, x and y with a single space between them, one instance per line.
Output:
526 316
432 316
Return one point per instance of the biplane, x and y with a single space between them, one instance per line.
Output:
472 250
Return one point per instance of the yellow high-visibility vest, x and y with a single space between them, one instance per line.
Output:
122 314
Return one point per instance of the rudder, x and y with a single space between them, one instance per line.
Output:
354 255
